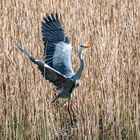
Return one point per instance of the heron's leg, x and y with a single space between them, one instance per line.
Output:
74 117
69 111
74 121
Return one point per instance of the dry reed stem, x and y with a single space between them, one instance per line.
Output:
107 103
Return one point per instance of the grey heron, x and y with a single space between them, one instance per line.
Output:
56 66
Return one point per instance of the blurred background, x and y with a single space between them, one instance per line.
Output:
107 104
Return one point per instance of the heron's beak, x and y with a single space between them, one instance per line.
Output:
86 46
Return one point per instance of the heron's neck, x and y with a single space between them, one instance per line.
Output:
80 69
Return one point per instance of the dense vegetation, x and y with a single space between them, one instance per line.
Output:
107 104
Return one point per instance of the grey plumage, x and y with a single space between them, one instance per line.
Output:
56 66
57 47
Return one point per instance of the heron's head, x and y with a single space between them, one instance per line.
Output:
84 47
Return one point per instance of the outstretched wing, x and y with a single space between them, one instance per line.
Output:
50 74
57 47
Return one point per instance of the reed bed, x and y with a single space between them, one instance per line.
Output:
107 104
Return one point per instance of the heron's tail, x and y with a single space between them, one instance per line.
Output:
33 59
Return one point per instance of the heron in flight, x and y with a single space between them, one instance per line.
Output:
56 66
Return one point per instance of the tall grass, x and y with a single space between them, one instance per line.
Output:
107 104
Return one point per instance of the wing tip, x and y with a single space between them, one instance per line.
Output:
51 17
